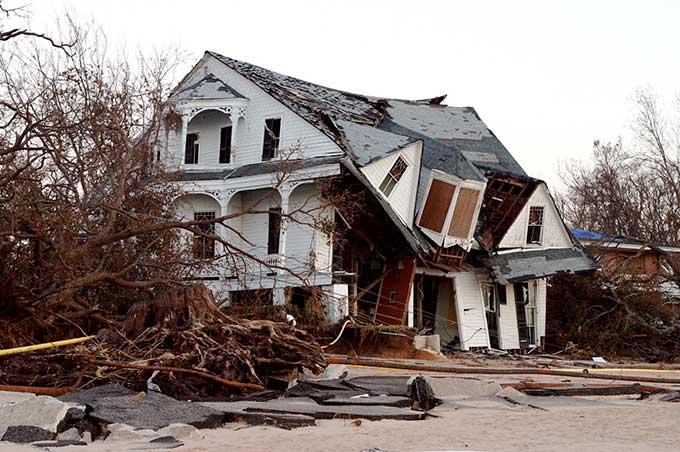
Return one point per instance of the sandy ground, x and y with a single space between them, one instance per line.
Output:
479 424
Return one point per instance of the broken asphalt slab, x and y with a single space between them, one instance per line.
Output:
308 407
394 401
152 411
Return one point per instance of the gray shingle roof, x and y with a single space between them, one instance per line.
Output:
524 265
368 143
207 88
462 133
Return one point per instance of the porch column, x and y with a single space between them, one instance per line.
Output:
234 129
285 208
183 139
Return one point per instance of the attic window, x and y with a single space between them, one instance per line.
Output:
535 227
393 176
272 136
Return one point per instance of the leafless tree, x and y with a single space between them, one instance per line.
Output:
86 222
10 31
631 190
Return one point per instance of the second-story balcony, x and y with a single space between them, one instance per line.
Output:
211 114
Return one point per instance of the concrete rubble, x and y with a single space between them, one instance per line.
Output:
25 418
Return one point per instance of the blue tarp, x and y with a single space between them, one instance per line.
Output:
583 234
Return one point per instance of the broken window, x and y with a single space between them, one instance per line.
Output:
393 176
489 295
191 149
225 144
204 247
500 292
274 230
463 214
272 135
437 205
535 228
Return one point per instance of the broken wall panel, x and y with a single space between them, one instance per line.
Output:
464 212
437 205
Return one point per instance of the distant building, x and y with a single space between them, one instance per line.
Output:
627 255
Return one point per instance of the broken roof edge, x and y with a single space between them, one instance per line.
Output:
416 245
524 265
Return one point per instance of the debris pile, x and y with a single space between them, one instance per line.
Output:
179 343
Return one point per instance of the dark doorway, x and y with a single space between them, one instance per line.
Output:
428 307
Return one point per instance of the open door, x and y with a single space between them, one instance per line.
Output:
491 312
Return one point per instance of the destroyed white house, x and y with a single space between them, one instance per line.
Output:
452 234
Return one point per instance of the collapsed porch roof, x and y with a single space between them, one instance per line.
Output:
518 266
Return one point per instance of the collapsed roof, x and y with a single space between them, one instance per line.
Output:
455 139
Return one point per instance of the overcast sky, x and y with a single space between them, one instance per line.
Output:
547 77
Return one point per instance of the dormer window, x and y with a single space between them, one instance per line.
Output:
225 144
393 176
191 149
272 135
535 226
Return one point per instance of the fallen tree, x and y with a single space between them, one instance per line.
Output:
180 342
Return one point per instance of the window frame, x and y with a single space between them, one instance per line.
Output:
390 181
194 151
274 231
277 140
225 148
541 226
442 236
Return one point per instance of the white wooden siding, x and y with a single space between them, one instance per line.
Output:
306 247
507 321
555 234
403 196
295 131
541 306
470 308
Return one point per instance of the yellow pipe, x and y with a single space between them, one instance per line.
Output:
32 348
